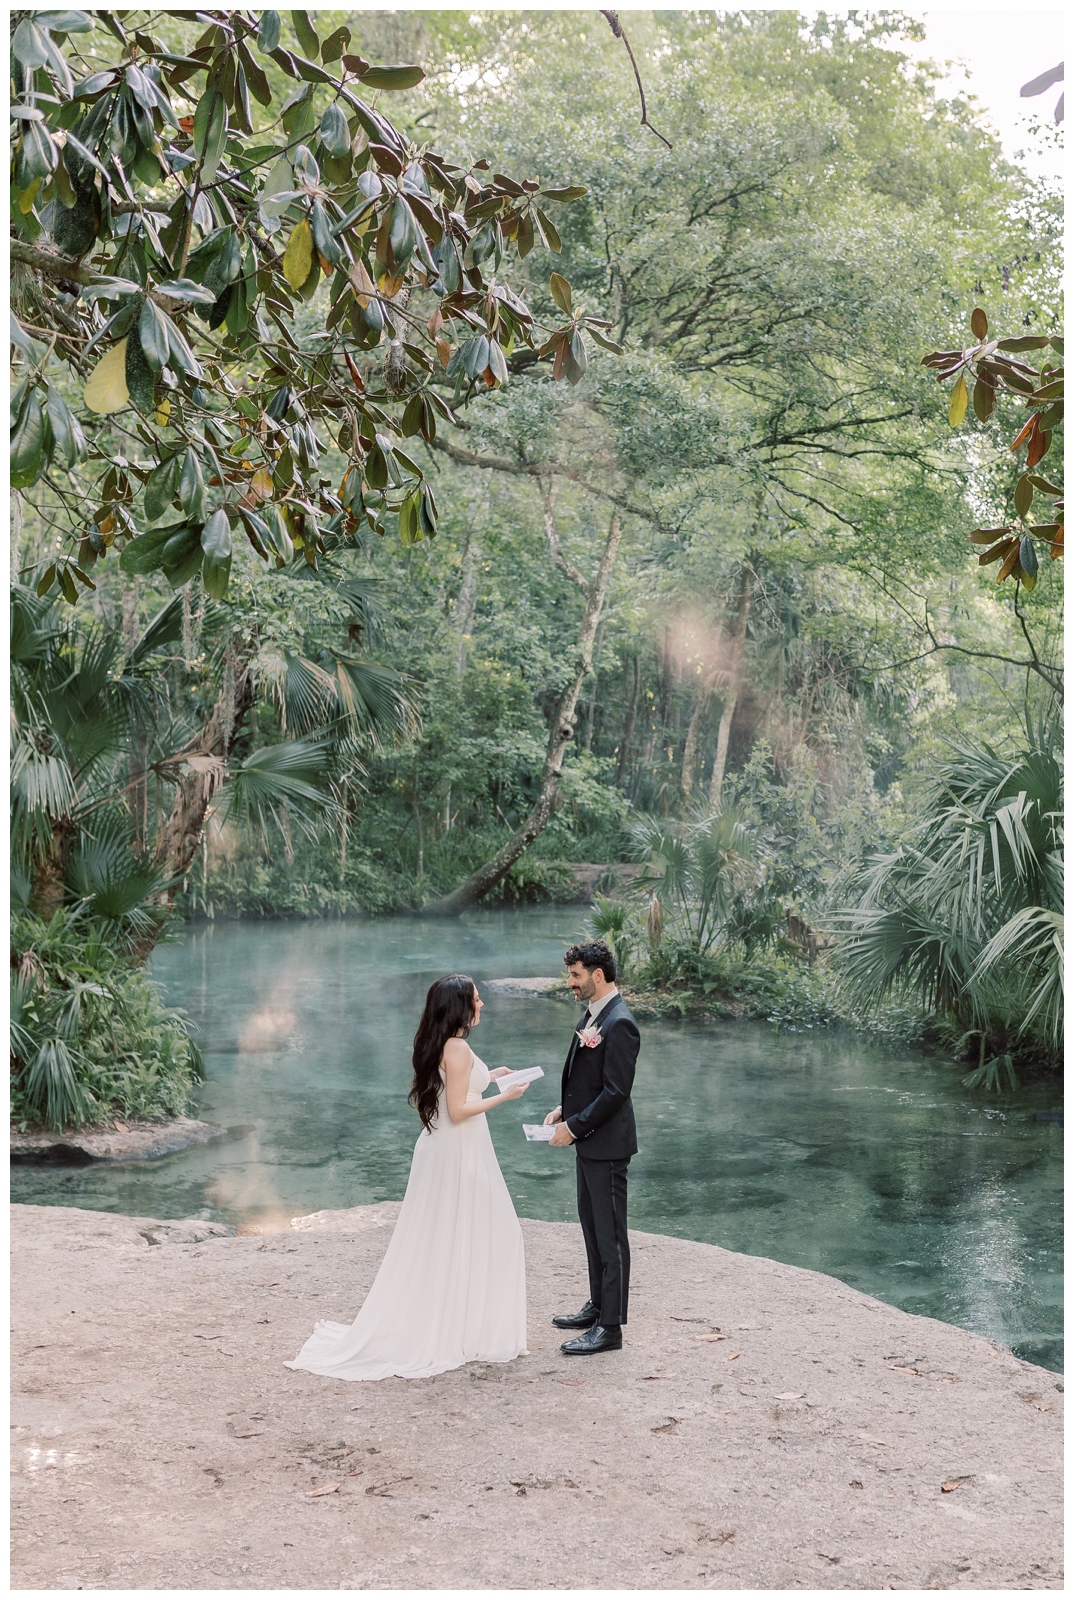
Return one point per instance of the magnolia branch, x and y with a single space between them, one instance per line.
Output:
612 19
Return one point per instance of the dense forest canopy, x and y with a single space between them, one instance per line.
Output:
425 472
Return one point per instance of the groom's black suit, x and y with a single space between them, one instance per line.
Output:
596 1107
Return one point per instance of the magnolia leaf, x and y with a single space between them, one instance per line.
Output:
979 323
334 133
984 399
153 334
960 397
1010 563
140 376
561 292
573 193
268 38
392 77
298 257
1023 495
186 289
1027 556
106 388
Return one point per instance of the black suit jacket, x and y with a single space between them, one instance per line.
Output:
595 1093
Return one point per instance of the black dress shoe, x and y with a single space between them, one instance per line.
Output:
585 1318
593 1342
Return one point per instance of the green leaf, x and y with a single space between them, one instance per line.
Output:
548 231
210 131
984 399
1027 557
186 289
561 293
180 353
160 488
216 536
153 334
334 133
191 485
66 429
573 193
183 555
38 150
64 21
604 341
268 37
146 553
392 77
404 233
28 442
335 44
28 45
1023 495
1028 341
140 377
67 584
306 33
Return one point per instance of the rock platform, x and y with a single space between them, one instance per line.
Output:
765 1427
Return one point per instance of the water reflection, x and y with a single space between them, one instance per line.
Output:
817 1149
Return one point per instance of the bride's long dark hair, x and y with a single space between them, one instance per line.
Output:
449 1011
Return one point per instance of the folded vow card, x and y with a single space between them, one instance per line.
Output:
537 1132
525 1075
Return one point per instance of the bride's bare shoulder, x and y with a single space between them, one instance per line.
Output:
457 1054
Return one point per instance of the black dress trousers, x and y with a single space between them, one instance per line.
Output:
602 1211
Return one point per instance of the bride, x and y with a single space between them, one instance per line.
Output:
452 1285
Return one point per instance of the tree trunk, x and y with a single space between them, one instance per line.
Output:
689 754
628 726
487 876
466 604
734 669
50 870
203 766
16 535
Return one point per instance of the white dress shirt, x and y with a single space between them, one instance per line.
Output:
597 1006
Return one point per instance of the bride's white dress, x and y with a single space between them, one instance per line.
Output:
452 1285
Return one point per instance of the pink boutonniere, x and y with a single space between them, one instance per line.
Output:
589 1038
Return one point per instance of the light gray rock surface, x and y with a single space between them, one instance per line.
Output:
528 986
135 1141
160 1443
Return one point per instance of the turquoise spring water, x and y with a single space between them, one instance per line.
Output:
815 1148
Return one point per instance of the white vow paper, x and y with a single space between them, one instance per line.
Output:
538 1132
525 1075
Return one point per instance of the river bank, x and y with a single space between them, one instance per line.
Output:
822 1440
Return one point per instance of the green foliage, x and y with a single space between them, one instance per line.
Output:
966 915
90 1038
697 867
219 177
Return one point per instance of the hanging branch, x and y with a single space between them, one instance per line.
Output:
612 18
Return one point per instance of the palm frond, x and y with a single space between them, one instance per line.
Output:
294 773
1030 945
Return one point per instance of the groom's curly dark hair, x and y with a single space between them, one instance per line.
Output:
593 954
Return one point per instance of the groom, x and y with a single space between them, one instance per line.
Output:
595 1114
